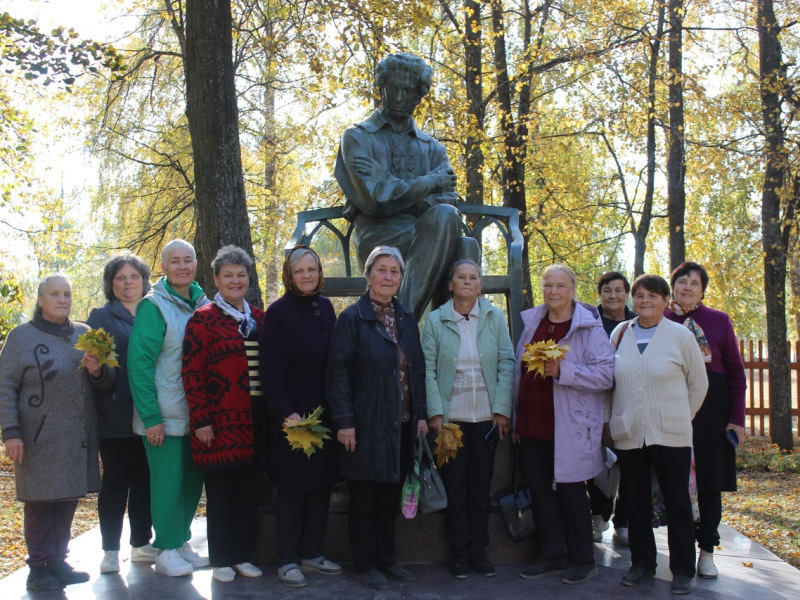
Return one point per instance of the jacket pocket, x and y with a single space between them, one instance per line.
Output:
620 426
675 419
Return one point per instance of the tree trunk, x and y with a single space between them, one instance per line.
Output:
212 115
676 162
773 224
477 112
515 136
640 242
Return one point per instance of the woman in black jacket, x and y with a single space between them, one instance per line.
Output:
376 394
126 477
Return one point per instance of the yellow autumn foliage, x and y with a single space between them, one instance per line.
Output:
448 442
100 343
536 355
308 433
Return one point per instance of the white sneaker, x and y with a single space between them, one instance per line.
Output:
110 563
247 569
320 565
290 575
144 553
224 574
170 563
191 556
599 525
705 565
621 536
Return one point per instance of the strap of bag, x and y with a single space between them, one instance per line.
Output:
621 333
514 465
425 449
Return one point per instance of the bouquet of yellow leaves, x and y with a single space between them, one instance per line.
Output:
536 354
100 343
448 442
308 433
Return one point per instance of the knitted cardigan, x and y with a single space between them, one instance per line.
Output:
658 392
215 378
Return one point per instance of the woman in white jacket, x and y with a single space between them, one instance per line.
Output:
660 383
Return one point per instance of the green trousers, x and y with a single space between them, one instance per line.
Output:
175 488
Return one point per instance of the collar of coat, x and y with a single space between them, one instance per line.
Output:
376 121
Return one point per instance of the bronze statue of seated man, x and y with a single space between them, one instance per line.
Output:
400 187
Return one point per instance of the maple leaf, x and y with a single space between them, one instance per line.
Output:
100 343
448 442
536 354
308 433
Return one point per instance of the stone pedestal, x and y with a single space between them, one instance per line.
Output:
418 540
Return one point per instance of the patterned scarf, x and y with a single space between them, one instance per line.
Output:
246 321
692 325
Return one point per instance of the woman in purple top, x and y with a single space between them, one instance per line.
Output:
723 408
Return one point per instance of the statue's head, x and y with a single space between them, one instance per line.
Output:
403 80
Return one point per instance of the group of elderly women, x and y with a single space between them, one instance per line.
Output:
204 389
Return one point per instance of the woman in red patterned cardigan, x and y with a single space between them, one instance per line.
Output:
226 413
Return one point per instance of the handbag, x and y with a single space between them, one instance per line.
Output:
432 495
607 481
409 498
517 506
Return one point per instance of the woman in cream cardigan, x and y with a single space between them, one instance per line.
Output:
660 385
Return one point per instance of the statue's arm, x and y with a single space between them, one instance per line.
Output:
372 188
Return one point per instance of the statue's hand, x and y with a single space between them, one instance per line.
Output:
444 180
366 167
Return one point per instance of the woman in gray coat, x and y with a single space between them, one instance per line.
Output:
49 428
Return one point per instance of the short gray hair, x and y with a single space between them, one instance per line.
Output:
380 251
115 263
231 255
176 243
37 311
562 268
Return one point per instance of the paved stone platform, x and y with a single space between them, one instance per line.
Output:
747 571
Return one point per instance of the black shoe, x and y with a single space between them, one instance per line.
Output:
373 579
398 573
482 566
66 574
459 568
580 573
682 585
544 568
637 574
41 580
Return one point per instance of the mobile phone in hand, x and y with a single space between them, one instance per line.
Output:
492 437
732 437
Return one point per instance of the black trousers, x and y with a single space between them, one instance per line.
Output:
373 509
47 528
563 515
707 530
467 479
671 467
231 511
126 482
604 506
300 524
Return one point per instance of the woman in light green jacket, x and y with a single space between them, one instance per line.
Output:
469 364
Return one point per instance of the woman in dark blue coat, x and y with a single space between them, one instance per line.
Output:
376 393
294 352
126 477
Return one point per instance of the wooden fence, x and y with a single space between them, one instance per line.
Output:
757 370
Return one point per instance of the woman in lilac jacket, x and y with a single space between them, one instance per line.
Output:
723 408
559 422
